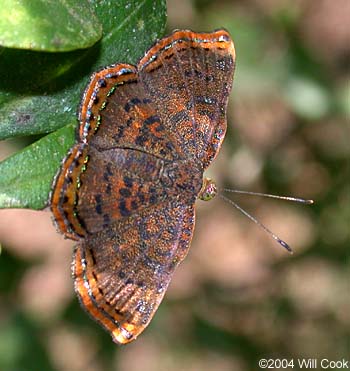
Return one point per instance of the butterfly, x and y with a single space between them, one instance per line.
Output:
127 188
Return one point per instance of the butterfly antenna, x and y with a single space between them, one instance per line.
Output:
287 198
276 238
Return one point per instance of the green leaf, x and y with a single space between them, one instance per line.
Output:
26 177
39 93
42 25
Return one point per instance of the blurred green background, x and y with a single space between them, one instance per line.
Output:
238 296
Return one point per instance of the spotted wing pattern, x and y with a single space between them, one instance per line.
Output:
116 106
121 274
189 76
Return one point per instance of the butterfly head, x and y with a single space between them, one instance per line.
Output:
208 191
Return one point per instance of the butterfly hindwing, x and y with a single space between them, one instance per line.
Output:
121 274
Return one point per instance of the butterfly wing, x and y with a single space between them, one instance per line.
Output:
120 137
181 86
116 112
172 106
188 76
117 183
121 274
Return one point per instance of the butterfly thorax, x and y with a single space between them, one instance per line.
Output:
182 179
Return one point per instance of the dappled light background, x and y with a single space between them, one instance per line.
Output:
238 296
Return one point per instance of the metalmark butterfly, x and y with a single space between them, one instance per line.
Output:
126 190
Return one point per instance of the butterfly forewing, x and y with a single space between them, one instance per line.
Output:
189 77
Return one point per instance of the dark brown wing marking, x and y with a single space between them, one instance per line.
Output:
188 76
121 274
